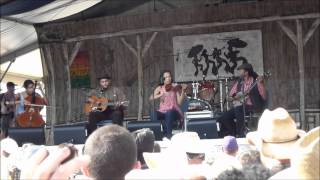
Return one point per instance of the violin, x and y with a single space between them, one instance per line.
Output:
175 88
31 116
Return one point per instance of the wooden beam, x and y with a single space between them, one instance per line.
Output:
313 28
74 52
301 73
148 44
192 26
129 47
288 32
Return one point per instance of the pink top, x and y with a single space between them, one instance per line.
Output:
169 101
247 85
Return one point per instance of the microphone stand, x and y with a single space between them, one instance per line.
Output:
243 103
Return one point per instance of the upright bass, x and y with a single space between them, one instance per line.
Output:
31 117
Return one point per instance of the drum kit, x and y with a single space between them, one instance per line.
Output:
202 95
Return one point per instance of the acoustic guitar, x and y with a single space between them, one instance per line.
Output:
99 104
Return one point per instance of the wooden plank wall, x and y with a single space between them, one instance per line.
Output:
109 55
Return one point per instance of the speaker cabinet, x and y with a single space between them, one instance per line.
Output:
205 127
155 126
27 135
70 134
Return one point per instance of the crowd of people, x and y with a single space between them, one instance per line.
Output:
278 150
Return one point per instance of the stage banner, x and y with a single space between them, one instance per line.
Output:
211 56
80 71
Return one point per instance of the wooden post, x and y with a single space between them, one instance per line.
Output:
140 53
301 73
67 83
300 42
52 97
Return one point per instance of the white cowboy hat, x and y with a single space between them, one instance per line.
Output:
175 155
276 134
305 161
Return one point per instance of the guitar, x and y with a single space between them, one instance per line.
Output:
239 98
99 104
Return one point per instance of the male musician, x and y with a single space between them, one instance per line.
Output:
113 94
170 101
254 101
7 107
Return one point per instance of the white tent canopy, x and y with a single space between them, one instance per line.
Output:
18 35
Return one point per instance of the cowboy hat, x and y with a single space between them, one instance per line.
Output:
305 161
276 134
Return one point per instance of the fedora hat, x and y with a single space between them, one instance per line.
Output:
305 161
105 76
276 134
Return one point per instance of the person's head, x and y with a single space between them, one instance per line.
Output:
195 158
10 87
29 86
230 145
246 70
249 157
257 171
167 77
113 153
231 174
156 147
104 81
145 142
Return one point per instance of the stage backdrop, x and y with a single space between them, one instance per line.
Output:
216 55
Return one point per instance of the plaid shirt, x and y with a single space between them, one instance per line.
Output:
247 85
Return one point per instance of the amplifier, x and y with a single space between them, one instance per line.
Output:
196 115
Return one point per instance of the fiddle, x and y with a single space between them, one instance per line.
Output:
175 88
31 116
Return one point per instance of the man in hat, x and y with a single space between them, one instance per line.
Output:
112 94
275 138
253 100
7 106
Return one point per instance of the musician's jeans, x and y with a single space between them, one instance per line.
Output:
7 121
167 120
232 122
94 117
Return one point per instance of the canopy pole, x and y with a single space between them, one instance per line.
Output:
5 72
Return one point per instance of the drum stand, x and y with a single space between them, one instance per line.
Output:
227 93
221 94
195 89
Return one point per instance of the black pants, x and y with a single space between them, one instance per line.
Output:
6 120
232 122
116 115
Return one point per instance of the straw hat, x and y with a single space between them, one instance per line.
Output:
276 134
175 155
305 161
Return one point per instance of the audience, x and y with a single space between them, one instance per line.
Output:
249 157
230 146
276 135
305 159
256 172
145 143
231 174
229 151
113 153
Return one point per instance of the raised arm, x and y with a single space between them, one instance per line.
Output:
156 94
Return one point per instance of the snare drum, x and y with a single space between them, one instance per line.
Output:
206 90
